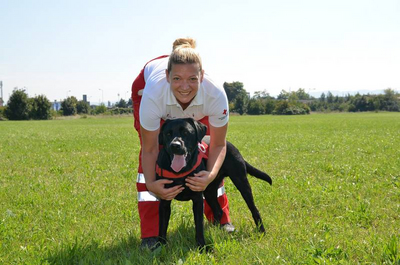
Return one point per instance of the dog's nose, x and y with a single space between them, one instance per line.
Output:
176 145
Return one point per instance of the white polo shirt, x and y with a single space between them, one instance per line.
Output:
158 101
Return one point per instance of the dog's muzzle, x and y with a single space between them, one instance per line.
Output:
177 147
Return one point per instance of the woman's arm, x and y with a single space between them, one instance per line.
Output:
216 156
149 159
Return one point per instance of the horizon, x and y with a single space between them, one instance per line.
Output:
315 95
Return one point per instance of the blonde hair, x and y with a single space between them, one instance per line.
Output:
183 52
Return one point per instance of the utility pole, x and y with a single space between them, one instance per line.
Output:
102 95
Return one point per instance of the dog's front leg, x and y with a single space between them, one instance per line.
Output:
164 215
198 209
210 194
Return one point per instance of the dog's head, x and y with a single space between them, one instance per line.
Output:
180 140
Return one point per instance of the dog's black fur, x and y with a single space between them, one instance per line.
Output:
181 136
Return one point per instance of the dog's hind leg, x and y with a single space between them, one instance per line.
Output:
241 182
164 216
198 208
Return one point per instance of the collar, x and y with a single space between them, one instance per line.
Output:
173 175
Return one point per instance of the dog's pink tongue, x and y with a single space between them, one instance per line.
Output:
178 162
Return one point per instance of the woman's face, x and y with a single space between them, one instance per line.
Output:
184 80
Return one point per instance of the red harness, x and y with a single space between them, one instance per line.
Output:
173 175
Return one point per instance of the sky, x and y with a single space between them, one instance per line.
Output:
97 48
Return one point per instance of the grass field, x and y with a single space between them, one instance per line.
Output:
67 193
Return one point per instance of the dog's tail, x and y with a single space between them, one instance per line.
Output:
258 173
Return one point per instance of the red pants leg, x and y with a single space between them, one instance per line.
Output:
223 202
148 210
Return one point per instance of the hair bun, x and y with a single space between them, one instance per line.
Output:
184 43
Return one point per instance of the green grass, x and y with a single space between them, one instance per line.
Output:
67 193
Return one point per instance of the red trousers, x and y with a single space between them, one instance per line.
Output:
147 203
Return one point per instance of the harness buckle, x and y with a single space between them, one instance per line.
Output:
202 148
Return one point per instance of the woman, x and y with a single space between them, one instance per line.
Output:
172 87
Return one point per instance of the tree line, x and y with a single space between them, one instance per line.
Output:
22 107
300 102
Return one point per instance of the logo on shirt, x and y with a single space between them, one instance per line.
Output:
225 113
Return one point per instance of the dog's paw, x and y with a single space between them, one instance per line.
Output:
206 249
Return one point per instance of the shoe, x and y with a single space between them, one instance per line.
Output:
150 243
228 227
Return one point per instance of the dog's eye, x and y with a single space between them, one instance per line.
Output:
168 134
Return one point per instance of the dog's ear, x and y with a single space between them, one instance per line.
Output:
160 135
201 129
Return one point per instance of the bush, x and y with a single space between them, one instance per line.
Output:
255 107
82 107
291 108
121 104
2 113
68 106
269 106
119 111
100 109
18 105
40 108
280 107
344 107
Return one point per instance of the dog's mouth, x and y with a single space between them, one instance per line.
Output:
178 162
179 154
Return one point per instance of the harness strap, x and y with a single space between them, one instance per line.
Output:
170 174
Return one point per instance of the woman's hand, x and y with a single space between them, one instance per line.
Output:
158 188
200 181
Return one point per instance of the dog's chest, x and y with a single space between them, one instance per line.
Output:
187 193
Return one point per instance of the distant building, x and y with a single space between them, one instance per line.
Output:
56 105
85 98
1 102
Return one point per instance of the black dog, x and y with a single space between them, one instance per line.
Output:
181 156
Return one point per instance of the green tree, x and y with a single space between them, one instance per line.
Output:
130 103
329 97
100 109
283 95
391 100
285 107
302 95
2 111
322 97
269 106
255 107
121 104
241 103
293 96
233 90
361 103
68 106
82 107
261 94
41 108
18 105
281 107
